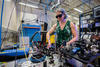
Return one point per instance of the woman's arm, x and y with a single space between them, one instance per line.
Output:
74 33
48 34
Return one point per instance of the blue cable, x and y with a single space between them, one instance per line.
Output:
1 22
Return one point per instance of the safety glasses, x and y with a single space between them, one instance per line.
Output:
60 15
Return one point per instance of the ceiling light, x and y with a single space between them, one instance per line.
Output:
8 0
78 10
29 5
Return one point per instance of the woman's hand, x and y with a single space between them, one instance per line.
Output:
68 45
49 45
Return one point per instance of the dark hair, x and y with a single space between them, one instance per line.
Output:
63 12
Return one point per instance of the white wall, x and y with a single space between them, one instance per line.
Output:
9 7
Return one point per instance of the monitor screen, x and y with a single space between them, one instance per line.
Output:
97 12
97 24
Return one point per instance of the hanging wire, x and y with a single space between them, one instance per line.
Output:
22 34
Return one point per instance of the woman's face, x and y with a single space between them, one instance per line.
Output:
59 16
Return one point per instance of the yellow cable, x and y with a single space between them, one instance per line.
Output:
22 37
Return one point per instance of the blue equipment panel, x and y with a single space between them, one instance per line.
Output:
29 30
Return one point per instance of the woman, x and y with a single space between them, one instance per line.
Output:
65 29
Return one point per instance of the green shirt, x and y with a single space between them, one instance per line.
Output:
65 34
